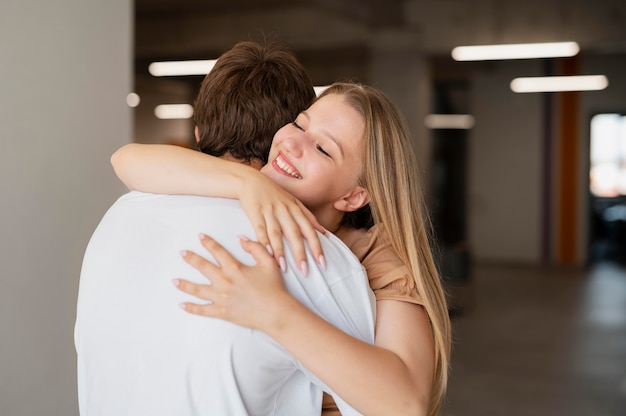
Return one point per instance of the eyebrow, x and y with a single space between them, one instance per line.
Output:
327 134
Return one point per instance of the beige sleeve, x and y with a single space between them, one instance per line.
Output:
389 278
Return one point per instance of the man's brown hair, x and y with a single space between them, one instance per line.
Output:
252 91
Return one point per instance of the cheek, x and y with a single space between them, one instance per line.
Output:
349 173
324 173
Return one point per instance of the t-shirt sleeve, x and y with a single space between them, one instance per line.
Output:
389 278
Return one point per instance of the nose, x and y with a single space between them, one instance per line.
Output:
297 143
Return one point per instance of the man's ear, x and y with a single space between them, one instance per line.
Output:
195 132
357 198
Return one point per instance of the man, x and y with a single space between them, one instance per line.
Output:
138 353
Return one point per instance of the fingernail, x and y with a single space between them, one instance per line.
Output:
322 262
282 263
304 266
184 253
269 249
176 282
243 237
202 236
182 306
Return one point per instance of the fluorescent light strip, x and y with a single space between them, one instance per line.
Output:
181 68
515 51
449 121
556 84
173 111
320 89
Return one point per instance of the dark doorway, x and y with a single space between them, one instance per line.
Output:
449 193
607 188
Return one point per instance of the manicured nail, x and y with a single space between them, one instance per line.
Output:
322 261
202 236
182 306
176 282
243 237
269 249
184 253
282 263
304 267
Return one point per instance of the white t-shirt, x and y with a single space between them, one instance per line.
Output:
140 354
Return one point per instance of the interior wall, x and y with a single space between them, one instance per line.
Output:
505 156
504 188
398 69
156 91
65 73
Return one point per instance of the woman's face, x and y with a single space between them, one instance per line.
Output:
318 157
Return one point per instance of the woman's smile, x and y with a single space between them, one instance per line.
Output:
282 164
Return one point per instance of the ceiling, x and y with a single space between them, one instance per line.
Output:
335 37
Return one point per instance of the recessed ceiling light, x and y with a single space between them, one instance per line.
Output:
132 99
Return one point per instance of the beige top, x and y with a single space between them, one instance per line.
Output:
389 278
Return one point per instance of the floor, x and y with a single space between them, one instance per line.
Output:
546 342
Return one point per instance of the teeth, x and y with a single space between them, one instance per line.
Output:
284 166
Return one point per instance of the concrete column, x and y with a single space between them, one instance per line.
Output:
399 69
65 71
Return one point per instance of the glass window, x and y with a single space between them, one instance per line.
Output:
607 174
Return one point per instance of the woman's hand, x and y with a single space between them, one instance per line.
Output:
273 213
250 296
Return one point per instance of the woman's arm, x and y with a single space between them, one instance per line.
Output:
273 212
169 169
394 376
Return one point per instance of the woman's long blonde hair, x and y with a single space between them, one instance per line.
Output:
396 203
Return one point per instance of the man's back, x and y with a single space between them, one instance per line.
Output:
138 353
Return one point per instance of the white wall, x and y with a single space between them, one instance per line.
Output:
65 70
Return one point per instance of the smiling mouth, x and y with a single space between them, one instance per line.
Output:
285 167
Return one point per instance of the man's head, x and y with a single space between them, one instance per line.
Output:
251 92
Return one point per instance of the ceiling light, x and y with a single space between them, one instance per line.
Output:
132 99
173 111
555 84
320 89
180 68
449 121
515 51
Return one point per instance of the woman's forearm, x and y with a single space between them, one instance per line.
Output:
169 169
374 380
394 376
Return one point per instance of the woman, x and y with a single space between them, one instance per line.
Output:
348 159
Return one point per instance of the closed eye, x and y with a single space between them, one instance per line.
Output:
324 152
296 125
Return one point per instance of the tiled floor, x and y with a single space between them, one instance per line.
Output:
541 342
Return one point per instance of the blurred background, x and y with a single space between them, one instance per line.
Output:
527 190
